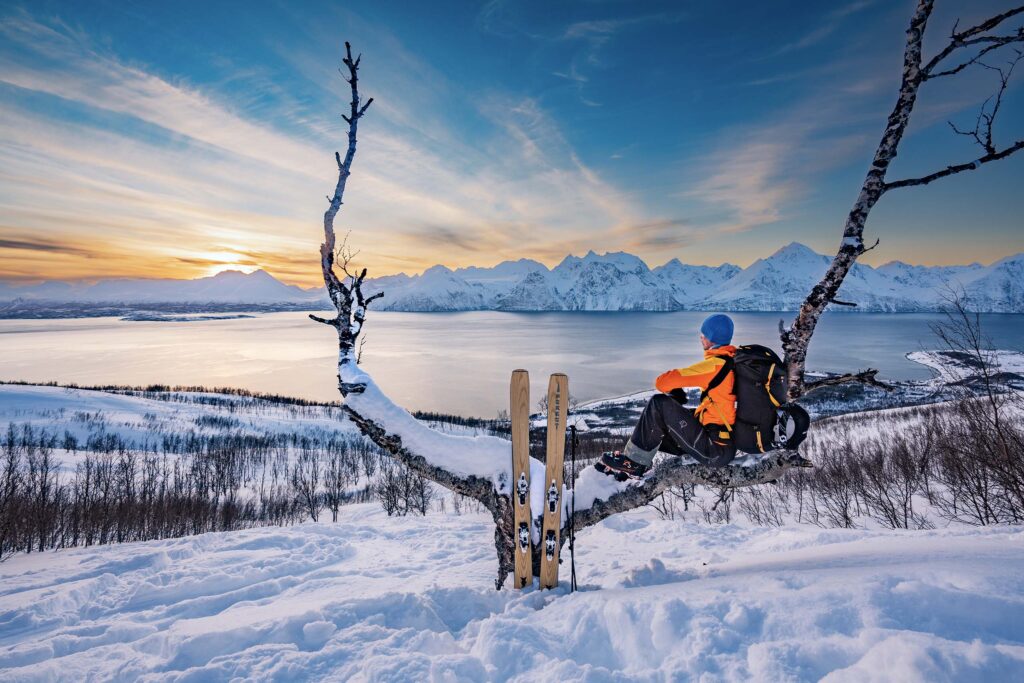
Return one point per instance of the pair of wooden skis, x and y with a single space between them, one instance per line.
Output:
558 409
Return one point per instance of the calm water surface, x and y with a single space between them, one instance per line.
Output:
451 362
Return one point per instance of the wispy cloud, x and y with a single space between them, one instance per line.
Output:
757 173
113 166
595 35
202 171
48 247
828 26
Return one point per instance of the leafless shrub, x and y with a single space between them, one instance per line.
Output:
673 502
835 483
341 473
719 511
174 485
402 491
764 505
306 482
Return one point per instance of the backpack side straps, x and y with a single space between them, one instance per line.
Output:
768 386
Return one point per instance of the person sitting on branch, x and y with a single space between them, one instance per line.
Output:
668 425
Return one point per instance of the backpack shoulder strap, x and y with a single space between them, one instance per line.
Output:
720 376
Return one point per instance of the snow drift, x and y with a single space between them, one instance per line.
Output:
373 598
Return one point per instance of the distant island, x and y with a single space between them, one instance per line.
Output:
609 282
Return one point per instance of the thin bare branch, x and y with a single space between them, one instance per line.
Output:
956 168
994 44
974 36
333 322
868 376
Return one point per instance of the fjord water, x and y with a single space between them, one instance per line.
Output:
447 362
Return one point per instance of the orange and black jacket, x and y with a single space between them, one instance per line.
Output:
719 404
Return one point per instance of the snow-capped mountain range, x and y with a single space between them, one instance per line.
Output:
622 282
609 282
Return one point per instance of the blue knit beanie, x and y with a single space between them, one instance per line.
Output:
717 329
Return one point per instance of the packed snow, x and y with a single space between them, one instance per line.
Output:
378 598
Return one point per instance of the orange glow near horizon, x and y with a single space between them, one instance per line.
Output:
23 264
24 261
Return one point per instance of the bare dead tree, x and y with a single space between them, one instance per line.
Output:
965 48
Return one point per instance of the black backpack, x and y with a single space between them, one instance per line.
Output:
764 420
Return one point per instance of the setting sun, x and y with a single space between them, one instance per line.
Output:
221 267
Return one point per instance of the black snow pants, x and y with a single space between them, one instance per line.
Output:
671 427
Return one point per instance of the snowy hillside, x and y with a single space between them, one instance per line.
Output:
666 593
608 282
378 598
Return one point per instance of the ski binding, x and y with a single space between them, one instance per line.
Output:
524 537
552 497
549 545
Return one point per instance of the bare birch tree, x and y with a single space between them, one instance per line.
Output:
970 47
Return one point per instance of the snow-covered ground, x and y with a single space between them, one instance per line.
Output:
377 598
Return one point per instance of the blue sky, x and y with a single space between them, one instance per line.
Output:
179 139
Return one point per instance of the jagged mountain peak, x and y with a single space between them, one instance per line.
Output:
796 251
437 271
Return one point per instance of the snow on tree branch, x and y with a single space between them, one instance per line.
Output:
671 472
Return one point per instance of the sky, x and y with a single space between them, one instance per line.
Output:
180 139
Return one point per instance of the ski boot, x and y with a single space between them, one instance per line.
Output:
619 466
